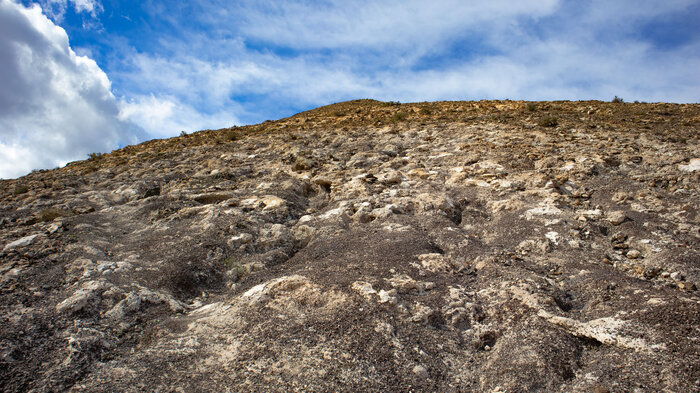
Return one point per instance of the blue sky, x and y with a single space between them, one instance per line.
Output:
92 75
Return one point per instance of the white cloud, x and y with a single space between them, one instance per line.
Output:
56 9
255 57
394 24
55 106
166 116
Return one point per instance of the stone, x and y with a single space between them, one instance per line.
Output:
23 242
393 177
633 254
692 166
420 371
365 289
387 296
616 217
80 299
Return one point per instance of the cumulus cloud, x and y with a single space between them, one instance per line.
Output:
55 106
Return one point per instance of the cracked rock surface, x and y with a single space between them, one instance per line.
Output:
366 246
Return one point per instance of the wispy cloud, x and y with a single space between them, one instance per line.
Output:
56 9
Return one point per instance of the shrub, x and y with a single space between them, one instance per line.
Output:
53 213
20 189
548 121
94 156
531 107
392 103
399 116
618 100
183 133
425 111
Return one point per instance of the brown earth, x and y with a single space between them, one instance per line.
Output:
366 246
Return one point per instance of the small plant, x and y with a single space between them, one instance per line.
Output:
239 270
53 213
94 156
399 116
183 133
391 103
531 107
425 111
338 113
618 100
548 121
20 189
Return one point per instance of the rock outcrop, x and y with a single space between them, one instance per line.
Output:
366 246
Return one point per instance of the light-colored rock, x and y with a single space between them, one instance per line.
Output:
692 166
81 297
365 289
387 296
616 217
435 262
421 372
23 242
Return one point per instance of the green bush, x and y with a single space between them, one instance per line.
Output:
618 100
548 121
20 189
399 116
53 213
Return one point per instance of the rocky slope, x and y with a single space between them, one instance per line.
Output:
366 246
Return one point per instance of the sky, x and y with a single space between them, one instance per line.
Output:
83 76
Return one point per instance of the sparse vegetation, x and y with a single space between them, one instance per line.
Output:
618 100
548 121
531 107
53 213
338 113
391 103
94 156
211 198
425 111
20 189
183 133
399 116
233 265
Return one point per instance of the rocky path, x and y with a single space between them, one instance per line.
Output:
366 246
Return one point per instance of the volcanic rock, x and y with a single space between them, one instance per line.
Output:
365 246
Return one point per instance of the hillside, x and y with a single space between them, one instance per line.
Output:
492 246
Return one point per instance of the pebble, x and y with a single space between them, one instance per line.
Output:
421 372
